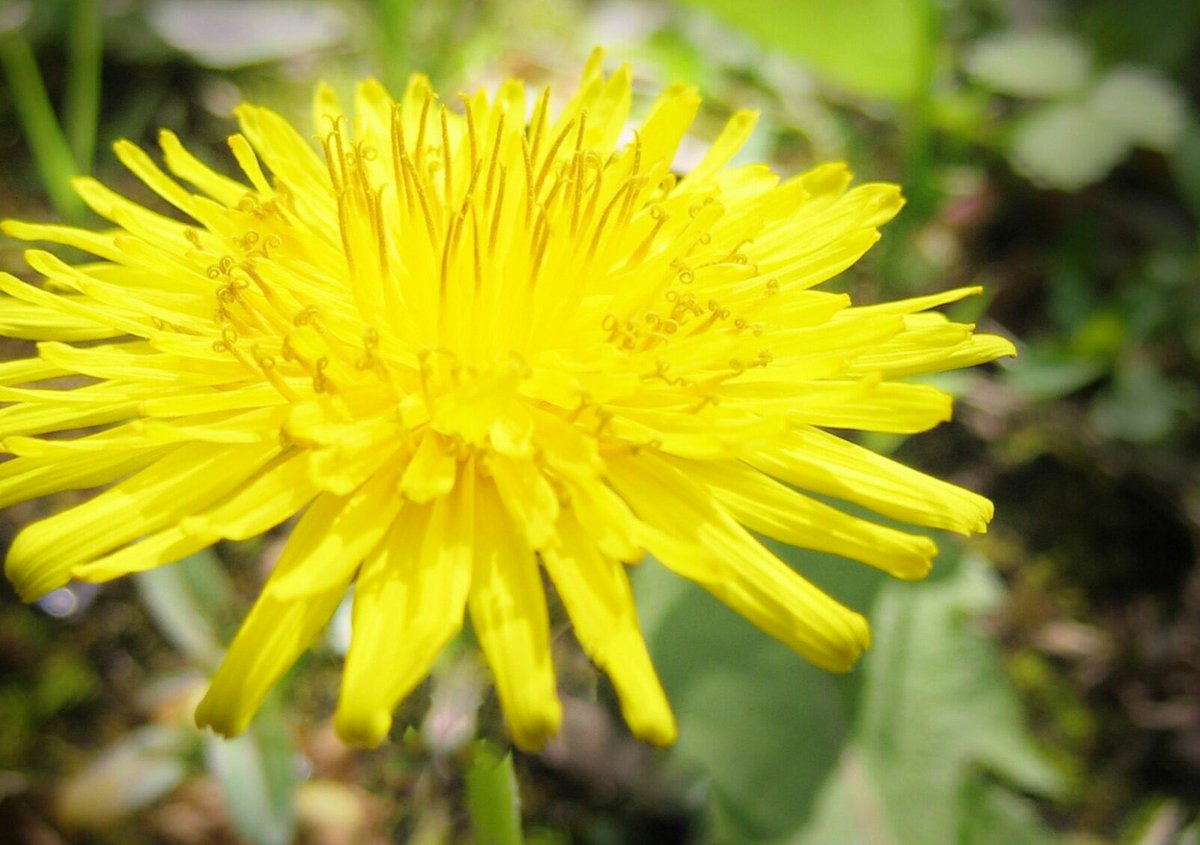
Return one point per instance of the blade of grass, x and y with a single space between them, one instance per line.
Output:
51 154
81 100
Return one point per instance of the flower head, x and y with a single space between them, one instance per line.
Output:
463 347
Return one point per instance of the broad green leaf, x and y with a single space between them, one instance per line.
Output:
935 710
993 815
1035 64
1147 108
1066 146
762 725
879 48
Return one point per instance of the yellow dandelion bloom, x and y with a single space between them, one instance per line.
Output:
464 347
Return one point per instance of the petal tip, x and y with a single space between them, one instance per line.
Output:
362 728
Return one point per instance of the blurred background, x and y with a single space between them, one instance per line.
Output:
1042 686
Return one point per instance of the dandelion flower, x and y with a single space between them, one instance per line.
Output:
464 348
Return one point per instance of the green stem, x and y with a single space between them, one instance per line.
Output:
81 100
492 798
51 154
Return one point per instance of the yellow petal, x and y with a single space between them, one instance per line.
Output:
768 507
26 478
333 536
431 470
189 478
731 139
826 464
189 168
598 599
408 603
508 614
528 497
266 499
268 643
692 536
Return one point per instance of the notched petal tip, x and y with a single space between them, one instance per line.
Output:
29 568
656 726
660 735
222 717
532 730
858 640
362 727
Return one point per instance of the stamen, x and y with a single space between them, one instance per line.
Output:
528 178
420 149
545 171
410 167
341 152
399 153
592 159
493 162
495 227
266 364
540 252
576 191
621 191
660 216
377 223
537 125
451 244
343 230
447 164
466 101
475 247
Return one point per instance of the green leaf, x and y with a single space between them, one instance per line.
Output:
993 815
936 708
764 726
893 752
170 598
1035 64
1143 105
877 48
1185 167
492 798
257 777
1141 406
1066 146
1041 376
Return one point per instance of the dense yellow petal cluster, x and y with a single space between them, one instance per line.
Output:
465 345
